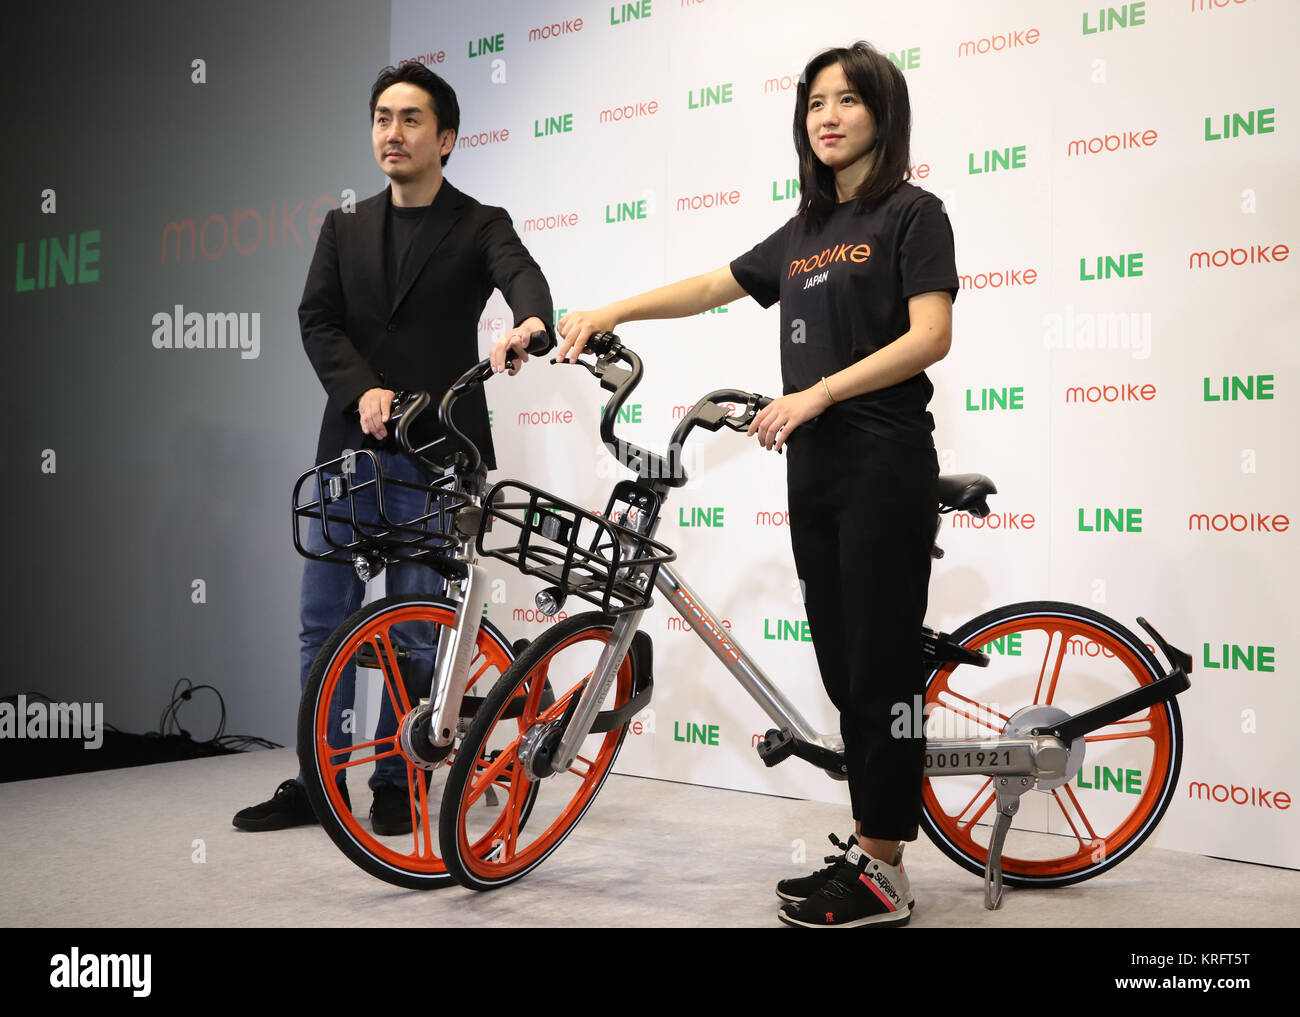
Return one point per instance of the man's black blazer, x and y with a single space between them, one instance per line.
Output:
362 333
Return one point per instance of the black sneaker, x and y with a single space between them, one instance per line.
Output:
862 891
803 887
390 812
289 806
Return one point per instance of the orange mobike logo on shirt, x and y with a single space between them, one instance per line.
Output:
840 252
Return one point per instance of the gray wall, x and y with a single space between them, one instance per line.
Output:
172 465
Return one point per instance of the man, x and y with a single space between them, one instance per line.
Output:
392 302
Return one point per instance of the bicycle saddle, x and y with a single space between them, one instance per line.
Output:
966 491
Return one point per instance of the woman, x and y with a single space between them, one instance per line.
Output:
866 278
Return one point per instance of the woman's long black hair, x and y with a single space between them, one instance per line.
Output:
884 90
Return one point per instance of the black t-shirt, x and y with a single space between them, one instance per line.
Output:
403 223
844 293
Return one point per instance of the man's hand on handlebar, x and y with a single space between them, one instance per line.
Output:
374 408
513 345
576 327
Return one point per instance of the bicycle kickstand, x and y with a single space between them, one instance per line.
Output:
1009 791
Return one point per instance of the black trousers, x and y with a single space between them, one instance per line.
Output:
862 515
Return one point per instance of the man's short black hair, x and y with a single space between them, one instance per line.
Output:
441 94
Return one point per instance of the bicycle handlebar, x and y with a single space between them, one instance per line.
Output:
459 451
706 413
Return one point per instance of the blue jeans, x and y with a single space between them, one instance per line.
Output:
332 591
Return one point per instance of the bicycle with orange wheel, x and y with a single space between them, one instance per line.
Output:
1059 789
433 653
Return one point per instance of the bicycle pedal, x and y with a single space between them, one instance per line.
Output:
776 746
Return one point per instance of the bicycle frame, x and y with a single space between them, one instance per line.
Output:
1040 744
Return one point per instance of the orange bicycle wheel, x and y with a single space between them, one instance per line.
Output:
484 844
383 638
1061 655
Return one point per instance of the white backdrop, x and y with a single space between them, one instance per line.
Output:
1116 133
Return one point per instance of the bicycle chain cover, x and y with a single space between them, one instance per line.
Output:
600 560
351 498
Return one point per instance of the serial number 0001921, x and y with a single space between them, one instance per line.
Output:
965 760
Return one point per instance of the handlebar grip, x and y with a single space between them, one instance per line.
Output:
540 343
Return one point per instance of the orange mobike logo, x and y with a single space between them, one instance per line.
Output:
840 252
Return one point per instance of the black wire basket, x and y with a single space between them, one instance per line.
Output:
584 554
352 504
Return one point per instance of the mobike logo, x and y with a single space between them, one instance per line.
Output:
998 278
906 59
534 418
235 232
1120 520
221 330
1125 392
781 82
996 399
857 253
629 111
1005 646
711 632
993 521
627 211
625 13
699 734
1255 254
487 44
772 518
528 614
1232 388
709 95
1225 793
484 138
713 517
1233 657
547 126
555 30
1238 522
1199 6
787 629
998 41
1112 143
73 263
1103 778
676 624
997 159
558 221
1123 266
491 325
711 199
1237 125
680 410
1078 647
1112 19
437 57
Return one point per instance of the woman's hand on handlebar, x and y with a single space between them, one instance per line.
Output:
513 345
576 327
776 421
